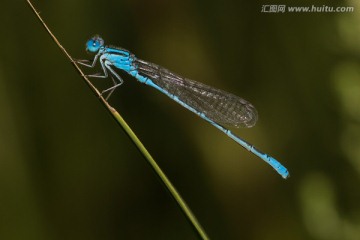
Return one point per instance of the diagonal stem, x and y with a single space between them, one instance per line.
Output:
179 200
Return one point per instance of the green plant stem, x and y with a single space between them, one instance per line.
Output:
181 203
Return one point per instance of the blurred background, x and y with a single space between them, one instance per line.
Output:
67 171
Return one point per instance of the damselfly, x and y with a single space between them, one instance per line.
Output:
213 105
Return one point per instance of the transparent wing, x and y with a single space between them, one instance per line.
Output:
219 106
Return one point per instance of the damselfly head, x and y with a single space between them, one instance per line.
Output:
94 44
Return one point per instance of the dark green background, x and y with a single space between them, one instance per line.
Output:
67 171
